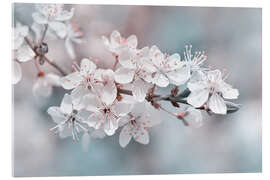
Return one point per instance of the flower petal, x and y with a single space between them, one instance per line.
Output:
180 76
110 125
160 80
56 114
71 81
124 75
214 76
132 41
217 104
25 53
115 38
69 48
198 98
140 89
42 88
108 93
228 92
77 95
66 104
87 67
59 28
17 72
124 137
142 137
121 108
193 117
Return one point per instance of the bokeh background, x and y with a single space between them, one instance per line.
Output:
231 38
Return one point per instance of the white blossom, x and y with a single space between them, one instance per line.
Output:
19 33
133 70
211 89
167 69
192 116
117 43
70 122
73 36
44 84
137 123
53 15
105 116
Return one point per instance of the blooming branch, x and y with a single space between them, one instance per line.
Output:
101 101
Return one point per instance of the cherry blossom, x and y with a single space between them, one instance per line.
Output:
105 116
137 123
117 43
53 15
81 80
73 36
167 69
192 116
69 120
210 89
133 70
44 84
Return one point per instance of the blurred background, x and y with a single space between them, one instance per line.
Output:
231 38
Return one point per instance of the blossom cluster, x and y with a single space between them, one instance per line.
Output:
101 101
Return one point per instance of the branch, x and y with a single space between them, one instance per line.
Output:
231 107
44 57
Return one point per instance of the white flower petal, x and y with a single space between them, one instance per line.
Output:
126 59
110 126
215 76
25 53
71 81
217 104
124 137
140 89
42 88
77 95
115 38
121 108
95 120
193 117
198 98
196 86
160 80
64 15
56 114
59 28
87 67
66 104
142 137
228 92
180 76
91 103
70 49
108 93
132 41
17 72
124 75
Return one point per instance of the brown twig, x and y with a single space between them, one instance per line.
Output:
44 57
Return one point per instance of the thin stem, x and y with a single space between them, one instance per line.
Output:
115 63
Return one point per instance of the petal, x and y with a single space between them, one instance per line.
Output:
69 48
198 98
214 76
91 102
126 59
42 88
95 120
174 62
123 120
124 137
121 108
77 96
142 137
110 126
87 67
140 89
124 75
217 104
160 80
59 28
56 114
108 93
180 76
228 92
132 41
39 18
65 132
115 38
17 72
83 115
25 53
71 81
193 117
196 86
66 104
53 79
